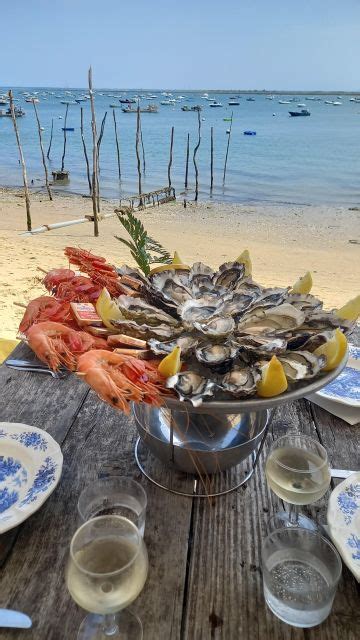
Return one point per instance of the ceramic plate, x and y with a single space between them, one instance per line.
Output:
30 468
346 387
343 518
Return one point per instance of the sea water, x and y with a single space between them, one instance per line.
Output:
307 160
297 588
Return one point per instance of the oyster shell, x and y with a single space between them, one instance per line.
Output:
186 344
216 327
145 332
139 310
241 381
262 344
304 302
324 320
199 309
301 365
308 342
218 357
201 279
237 303
192 386
281 318
269 298
171 287
229 275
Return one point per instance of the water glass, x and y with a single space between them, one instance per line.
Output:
114 495
301 571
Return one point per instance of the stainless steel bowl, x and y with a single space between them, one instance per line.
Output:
199 443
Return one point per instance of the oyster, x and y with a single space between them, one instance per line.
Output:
237 303
218 357
229 275
262 344
324 320
192 386
171 287
304 302
281 318
308 341
300 365
241 382
200 279
139 310
216 327
269 298
145 332
200 309
186 344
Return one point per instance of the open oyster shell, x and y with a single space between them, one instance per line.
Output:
300 365
241 381
192 386
217 357
139 310
217 327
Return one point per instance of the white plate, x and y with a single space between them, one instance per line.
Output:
30 468
343 518
346 387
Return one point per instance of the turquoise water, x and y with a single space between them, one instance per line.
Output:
310 160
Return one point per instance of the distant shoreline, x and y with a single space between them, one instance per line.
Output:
275 92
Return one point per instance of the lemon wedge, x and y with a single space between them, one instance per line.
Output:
171 364
273 379
176 259
304 284
244 257
107 309
334 350
350 310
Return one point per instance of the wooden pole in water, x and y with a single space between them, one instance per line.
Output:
84 147
51 137
143 148
137 148
171 155
117 145
212 160
64 150
94 171
227 148
22 161
194 158
98 159
42 152
187 160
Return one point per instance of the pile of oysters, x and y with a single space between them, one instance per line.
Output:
227 326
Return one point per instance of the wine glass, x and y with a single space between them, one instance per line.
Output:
106 571
297 470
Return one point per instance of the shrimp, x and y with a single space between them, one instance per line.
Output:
42 309
119 379
56 344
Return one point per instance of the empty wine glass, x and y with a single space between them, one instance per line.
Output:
106 572
297 470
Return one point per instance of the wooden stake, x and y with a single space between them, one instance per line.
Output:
194 158
94 172
84 147
171 155
42 152
22 161
212 160
143 148
98 159
51 137
64 150
227 148
187 160
137 146
117 145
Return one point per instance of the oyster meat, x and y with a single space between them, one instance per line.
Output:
281 318
192 386
217 327
218 357
229 275
186 344
241 381
139 310
171 287
300 365
198 310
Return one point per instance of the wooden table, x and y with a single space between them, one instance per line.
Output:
205 578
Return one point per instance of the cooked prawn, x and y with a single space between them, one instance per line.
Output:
42 309
56 344
119 379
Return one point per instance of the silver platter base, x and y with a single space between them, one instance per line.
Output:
190 485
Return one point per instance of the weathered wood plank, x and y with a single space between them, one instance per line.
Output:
224 593
33 580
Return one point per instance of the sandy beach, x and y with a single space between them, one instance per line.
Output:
284 242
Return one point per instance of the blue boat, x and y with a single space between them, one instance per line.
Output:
68 128
249 133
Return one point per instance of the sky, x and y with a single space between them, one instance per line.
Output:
182 44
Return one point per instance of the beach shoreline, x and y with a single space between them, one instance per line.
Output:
284 242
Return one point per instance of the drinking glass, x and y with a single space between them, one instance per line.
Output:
106 571
297 470
116 495
301 571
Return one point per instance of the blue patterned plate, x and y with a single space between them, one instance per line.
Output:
343 518
30 468
346 387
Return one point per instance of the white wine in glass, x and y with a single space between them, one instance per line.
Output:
297 470
106 572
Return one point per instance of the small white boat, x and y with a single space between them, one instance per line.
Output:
269 97
284 101
215 104
31 99
328 102
336 103
167 102
301 104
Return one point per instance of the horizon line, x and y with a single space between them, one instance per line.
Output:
230 90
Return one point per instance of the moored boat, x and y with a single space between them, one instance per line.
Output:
303 112
151 108
7 114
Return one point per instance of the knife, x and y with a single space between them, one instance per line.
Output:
29 365
14 619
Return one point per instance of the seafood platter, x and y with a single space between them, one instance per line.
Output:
186 338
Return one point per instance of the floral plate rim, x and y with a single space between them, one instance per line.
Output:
47 458
342 513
